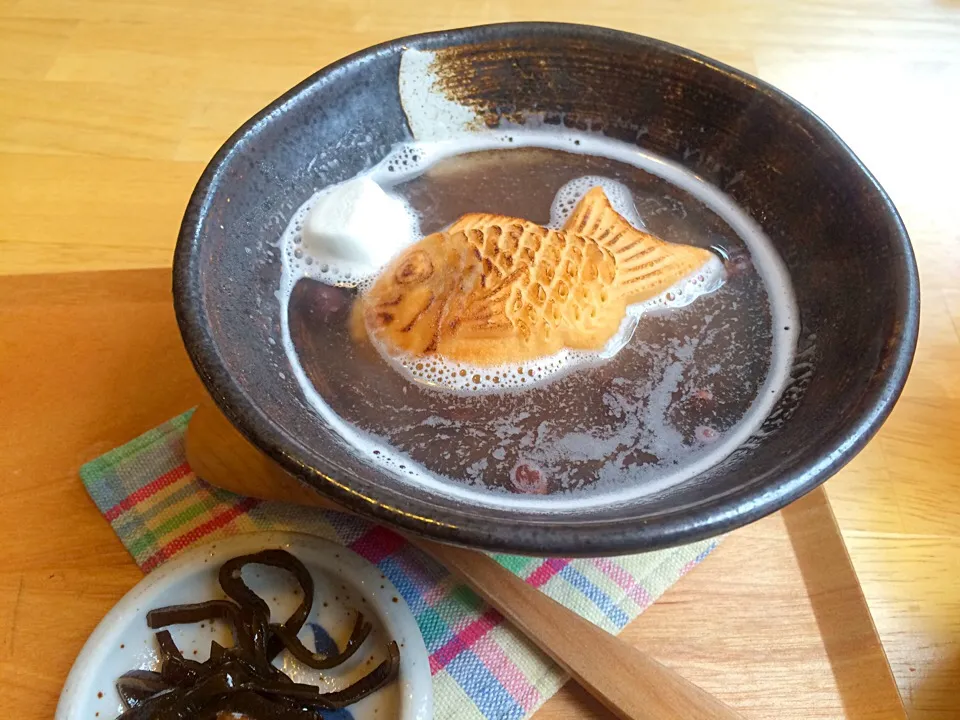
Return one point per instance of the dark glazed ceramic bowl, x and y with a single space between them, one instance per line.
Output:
840 237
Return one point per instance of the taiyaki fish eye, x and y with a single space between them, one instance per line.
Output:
416 268
382 318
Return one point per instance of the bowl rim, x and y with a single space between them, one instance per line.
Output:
603 536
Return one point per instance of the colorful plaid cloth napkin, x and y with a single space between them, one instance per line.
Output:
481 667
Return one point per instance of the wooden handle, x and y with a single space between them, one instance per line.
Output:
629 683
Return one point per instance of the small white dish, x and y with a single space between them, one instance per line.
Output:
344 583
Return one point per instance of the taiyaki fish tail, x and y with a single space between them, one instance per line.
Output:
646 265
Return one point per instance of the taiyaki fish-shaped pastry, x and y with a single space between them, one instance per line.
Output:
494 290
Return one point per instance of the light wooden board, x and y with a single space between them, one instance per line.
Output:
773 623
110 108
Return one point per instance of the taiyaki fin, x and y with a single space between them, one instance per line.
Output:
646 265
474 221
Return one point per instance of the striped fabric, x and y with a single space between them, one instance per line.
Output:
481 667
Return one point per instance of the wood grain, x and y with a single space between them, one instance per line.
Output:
626 681
110 108
773 623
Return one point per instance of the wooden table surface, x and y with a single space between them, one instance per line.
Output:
110 108
773 622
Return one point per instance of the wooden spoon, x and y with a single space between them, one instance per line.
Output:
631 684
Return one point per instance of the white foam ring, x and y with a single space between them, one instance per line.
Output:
439 373
617 193
409 160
